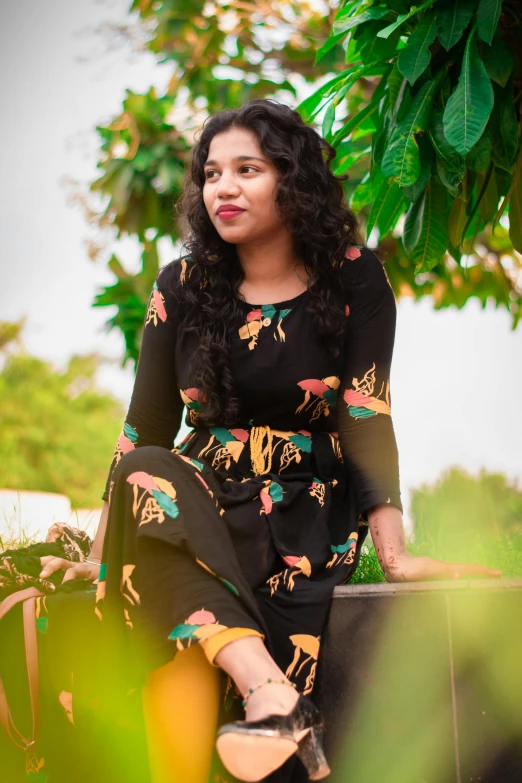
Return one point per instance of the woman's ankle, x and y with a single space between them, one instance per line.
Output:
248 662
271 699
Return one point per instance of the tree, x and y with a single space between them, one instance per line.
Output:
58 429
386 76
434 138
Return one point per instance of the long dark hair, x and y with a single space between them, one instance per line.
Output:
311 200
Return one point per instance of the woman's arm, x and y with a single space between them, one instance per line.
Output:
366 434
387 531
97 545
366 431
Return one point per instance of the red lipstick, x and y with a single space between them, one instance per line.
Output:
229 211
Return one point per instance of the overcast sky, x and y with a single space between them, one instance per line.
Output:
456 378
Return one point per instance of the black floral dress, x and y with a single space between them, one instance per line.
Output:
251 526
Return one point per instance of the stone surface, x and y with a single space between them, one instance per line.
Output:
422 682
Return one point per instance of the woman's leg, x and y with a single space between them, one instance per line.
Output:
248 662
181 707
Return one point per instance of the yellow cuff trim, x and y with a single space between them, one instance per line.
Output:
215 643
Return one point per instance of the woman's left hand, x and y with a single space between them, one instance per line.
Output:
408 568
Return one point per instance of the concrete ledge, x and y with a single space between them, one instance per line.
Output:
421 682
397 588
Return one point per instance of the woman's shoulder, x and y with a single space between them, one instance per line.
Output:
362 267
175 273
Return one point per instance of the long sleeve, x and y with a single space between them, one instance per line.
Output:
366 434
156 408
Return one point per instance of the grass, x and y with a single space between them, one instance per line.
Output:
504 554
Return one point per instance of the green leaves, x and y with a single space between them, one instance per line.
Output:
505 138
488 14
344 24
452 19
426 227
387 207
515 208
415 57
401 159
498 61
468 108
387 31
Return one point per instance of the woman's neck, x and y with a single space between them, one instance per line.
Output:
271 269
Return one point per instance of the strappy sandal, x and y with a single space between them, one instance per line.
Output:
251 750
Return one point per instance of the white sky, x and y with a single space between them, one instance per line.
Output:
457 375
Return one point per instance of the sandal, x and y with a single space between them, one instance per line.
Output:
251 750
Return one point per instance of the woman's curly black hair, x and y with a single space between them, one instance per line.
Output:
311 200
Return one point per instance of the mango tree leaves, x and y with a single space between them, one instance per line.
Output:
480 155
452 19
505 136
450 165
387 31
457 221
515 208
344 24
366 191
415 57
387 207
369 47
329 44
488 14
468 108
488 194
312 105
426 160
401 159
426 227
498 61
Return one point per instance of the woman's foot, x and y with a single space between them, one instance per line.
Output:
272 699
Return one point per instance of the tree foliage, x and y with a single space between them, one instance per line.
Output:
58 429
440 127
422 105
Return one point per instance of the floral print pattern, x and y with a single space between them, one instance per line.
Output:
320 396
159 495
156 309
259 317
361 400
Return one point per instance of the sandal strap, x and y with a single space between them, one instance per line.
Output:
270 680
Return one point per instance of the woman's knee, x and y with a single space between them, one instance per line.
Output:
146 459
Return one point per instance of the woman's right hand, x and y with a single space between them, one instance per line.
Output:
72 570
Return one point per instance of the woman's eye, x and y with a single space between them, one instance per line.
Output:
209 172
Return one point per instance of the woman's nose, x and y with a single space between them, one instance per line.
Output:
227 185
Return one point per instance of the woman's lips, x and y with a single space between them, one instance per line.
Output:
228 214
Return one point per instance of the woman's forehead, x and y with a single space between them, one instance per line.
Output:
234 143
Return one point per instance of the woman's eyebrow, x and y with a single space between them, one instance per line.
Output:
237 158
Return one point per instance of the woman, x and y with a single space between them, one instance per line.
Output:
276 332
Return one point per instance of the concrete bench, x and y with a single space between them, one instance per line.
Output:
422 682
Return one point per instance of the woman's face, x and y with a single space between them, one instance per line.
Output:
238 174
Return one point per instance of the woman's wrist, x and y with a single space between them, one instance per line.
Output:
92 562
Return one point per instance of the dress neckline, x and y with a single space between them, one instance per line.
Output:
276 305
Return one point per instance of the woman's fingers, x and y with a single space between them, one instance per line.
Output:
466 569
82 571
51 564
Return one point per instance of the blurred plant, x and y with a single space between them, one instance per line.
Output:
58 429
463 518
432 141
460 513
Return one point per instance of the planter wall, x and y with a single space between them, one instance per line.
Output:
422 682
